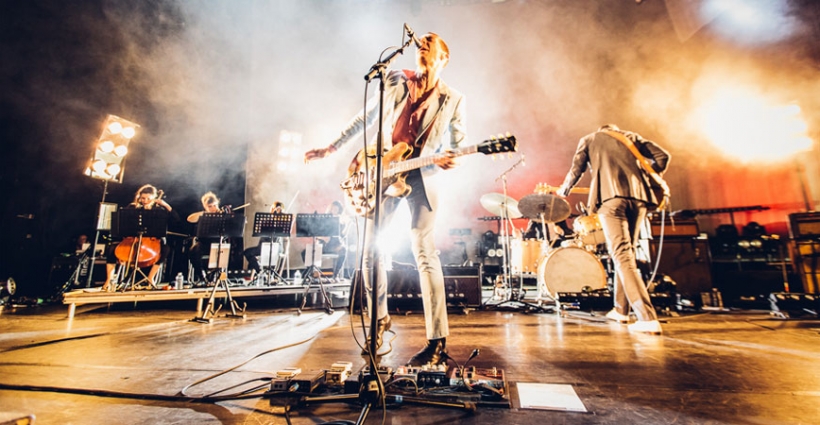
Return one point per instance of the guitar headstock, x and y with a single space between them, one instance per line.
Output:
498 144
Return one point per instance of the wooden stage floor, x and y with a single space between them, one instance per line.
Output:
124 364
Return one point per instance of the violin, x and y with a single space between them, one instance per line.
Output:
145 254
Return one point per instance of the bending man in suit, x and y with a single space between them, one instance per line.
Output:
620 193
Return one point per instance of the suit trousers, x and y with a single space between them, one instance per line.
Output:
620 220
422 206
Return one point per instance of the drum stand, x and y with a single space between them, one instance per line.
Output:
220 225
504 287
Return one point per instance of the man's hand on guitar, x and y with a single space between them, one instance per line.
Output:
318 153
446 161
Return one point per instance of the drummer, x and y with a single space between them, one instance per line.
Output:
556 232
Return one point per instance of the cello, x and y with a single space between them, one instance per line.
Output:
139 250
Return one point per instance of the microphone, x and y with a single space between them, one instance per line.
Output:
412 35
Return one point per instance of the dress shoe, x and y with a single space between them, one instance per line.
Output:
431 353
617 317
382 325
646 326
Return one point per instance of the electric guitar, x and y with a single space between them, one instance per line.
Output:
360 186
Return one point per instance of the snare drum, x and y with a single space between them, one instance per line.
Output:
570 269
525 254
589 230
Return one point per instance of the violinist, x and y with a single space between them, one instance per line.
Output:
201 248
147 197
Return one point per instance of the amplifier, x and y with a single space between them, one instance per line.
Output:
804 225
462 286
677 228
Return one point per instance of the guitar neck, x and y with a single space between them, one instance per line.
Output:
412 164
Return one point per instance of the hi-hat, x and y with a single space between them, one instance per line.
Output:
543 208
194 218
500 205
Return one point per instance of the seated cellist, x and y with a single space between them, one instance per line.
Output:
147 197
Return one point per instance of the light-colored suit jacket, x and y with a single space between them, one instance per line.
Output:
445 116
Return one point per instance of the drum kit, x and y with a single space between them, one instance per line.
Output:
576 264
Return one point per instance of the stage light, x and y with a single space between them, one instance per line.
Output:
751 21
778 132
108 159
129 132
115 127
113 169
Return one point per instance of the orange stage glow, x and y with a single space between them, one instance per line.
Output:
749 127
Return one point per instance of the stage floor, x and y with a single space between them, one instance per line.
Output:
116 365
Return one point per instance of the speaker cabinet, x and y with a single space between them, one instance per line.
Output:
805 256
462 286
688 262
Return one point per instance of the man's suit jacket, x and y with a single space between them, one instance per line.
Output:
615 170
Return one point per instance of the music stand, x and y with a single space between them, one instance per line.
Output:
137 223
271 225
220 225
313 226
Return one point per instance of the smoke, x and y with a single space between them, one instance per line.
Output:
213 84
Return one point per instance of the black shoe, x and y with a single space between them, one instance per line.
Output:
430 354
382 325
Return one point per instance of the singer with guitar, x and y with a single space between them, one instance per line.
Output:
420 110
625 170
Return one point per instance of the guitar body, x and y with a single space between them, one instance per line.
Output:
360 191
359 187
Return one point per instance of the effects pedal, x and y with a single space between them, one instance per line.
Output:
308 381
492 377
281 381
338 374
432 376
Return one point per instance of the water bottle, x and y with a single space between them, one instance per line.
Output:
297 278
179 281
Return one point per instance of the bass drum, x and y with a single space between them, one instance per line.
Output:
525 254
570 269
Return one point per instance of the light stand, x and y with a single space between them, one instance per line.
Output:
103 223
220 225
107 163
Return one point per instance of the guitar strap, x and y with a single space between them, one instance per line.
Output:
643 161
634 149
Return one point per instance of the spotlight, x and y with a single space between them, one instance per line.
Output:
108 159
107 146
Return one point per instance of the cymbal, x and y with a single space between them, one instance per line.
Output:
543 208
194 218
497 203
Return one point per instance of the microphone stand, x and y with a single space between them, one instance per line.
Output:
505 235
371 388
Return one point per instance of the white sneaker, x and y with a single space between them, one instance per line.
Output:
617 317
646 326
